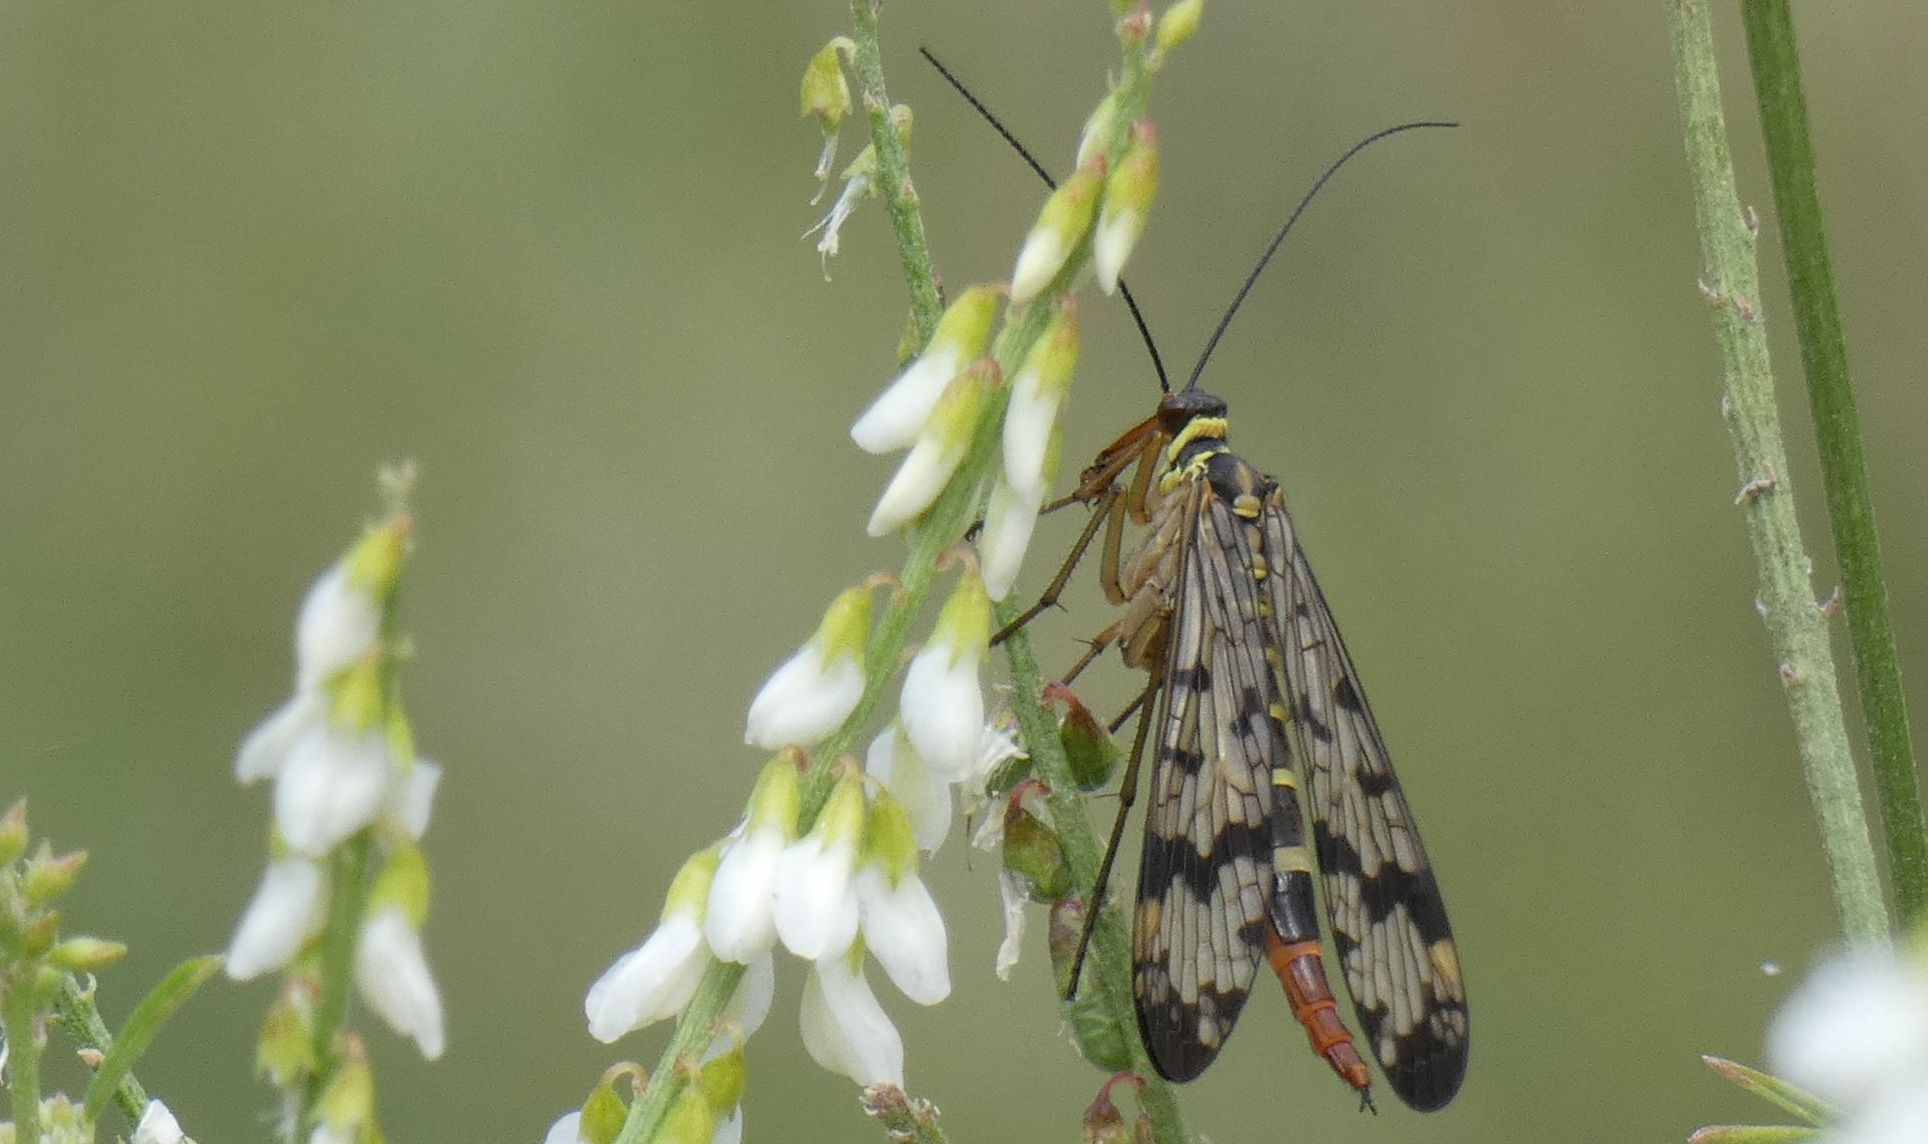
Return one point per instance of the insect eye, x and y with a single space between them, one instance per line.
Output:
1174 413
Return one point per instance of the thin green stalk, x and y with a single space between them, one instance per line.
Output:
1797 633
893 174
23 1057
348 897
1083 851
77 1013
1837 430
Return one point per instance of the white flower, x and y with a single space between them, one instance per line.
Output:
819 686
750 1004
288 908
339 623
844 1028
856 189
1039 261
394 978
331 786
738 922
1028 422
815 906
266 748
925 797
1061 226
157 1126
409 800
927 468
940 449
1897 1115
1096 135
1856 1028
1128 197
1008 523
567 1130
805 699
941 705
656 979
1012 895
995 744
905 933
894 420
1111 244
729 1130
651 982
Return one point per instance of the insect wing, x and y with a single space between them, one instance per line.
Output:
1200 925
1389 924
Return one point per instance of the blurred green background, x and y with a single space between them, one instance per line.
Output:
247 252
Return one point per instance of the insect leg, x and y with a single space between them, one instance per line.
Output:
1127 794
1100 512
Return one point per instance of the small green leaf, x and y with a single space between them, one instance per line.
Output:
143 1024
1772 1089
1752 1134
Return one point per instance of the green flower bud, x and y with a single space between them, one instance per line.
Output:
1177 25
1061 228
286 1052
1128 197
86 954
1032 850
690 889
358 698
722 1080
777 798
403 882
13 833
1101 1039
890 841
1088 747
690 1119
826 95
374 565
846 814
348 1103
49 877
603 1114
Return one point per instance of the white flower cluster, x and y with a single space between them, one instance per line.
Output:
852 876
340 760
1855 1034
848 888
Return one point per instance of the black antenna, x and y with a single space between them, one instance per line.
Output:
1024 153
1212 344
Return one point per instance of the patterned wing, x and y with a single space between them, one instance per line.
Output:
1199 931
1388 920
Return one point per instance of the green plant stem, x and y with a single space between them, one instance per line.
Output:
347 898
77 1013
1083 851
1797 633
1837 430
893 173
23 1056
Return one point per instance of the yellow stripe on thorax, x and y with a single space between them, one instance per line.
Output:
1198 428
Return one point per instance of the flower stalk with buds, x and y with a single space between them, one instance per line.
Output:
844 1026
